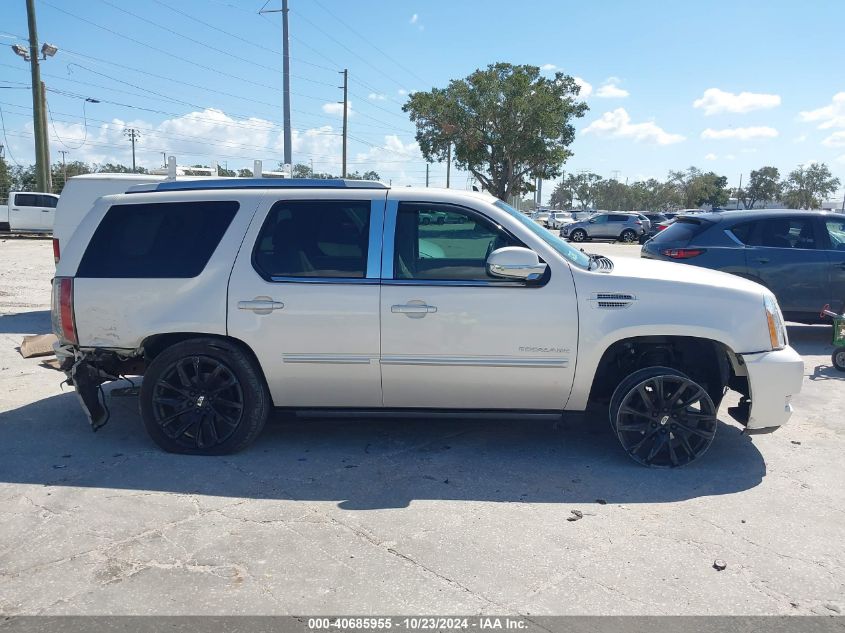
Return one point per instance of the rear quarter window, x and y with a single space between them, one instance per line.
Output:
165 240
680 231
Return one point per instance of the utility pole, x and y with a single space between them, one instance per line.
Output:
448 164
539 192
42 166
64 153
311 160
285 76
345 86
738 190
426 175
133 135
164 159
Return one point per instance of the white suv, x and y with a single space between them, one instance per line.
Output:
232 297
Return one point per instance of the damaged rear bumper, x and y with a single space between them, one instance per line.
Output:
87 370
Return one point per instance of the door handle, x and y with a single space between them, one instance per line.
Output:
261 305
413 309
763 260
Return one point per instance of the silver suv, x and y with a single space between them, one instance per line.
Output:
626 227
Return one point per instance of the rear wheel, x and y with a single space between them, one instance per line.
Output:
628 236
838 358
662 417
578 235
204 397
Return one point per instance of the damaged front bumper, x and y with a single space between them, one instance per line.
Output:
87 370
773 378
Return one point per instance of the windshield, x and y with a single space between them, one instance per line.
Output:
569 252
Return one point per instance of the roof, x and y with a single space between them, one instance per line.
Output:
755 214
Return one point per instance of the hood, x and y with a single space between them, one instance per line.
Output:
681 273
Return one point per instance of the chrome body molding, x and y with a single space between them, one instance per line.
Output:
474 361
329 359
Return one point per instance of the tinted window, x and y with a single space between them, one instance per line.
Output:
680 231
160 240
620 218
599 219
27 200
456 250
314 238
742 232
836 231
785 233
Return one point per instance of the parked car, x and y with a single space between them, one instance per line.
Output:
232 297
540 217
798 255
625 227
28 212
655 220
557 219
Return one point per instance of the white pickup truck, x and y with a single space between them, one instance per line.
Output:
28 212
235 296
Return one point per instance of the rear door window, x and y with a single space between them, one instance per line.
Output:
742 232
788 232
160 240
314 238
682 230
27 200
836 233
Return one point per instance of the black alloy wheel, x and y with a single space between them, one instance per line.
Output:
198 402
663 418
628 236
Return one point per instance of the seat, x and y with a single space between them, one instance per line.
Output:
775 234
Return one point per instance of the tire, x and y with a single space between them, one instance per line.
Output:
221 394
441 220
628 236
578 235
663 418
426 221
838 358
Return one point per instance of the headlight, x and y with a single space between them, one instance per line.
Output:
774 320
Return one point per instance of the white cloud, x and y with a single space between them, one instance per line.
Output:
586 88
800 139
617 124
610 90
336 109
415 19
730 157
829 116
548 67
401 92
715 101
711 156
391 155
374 96
740 133
837 139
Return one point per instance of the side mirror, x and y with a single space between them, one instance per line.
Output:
591 221
515 262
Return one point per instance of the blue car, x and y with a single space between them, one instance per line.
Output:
798 255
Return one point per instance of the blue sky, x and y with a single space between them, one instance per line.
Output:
728 86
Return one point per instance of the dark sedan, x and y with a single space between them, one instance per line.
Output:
798 255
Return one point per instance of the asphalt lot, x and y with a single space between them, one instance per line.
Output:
403 517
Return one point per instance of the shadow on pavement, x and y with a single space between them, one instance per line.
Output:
34 322
367 464
811 339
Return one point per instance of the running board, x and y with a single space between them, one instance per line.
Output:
440 414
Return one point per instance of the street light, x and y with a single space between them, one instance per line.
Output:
48 50
20 51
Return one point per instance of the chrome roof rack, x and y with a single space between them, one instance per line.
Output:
200 184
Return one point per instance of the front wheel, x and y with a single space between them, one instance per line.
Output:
204 397
628 236
662 417
578 235
838 358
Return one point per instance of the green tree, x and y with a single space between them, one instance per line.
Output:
244 173
226 173
74 168
612 194
5 180
697 188
367 175
763 186
653 195
508 125
807 187
299 170
583 188
561 197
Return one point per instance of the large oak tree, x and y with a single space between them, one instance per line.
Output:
507 124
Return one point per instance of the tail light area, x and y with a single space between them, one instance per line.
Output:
56 250
64 321
682 253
